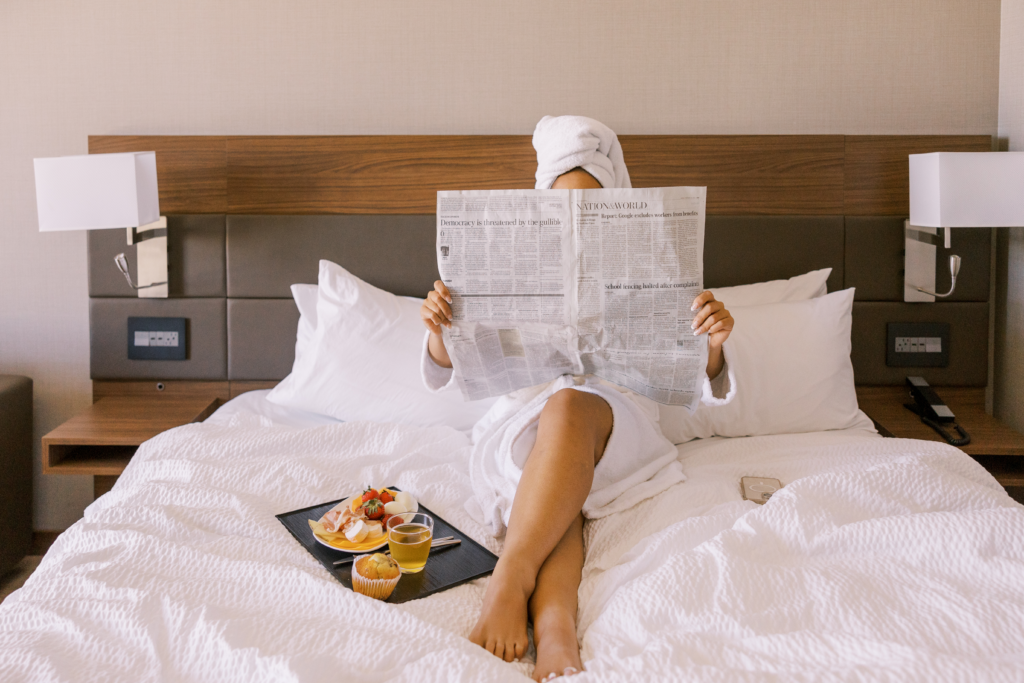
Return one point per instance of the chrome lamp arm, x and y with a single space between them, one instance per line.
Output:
122 265
954 270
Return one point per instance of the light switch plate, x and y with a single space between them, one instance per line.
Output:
917 345
157 338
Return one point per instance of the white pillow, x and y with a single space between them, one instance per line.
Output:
793 373
305 300
807 286
363 362
305 297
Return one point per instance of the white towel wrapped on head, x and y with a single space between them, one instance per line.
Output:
567 142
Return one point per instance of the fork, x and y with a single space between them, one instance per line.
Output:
436 543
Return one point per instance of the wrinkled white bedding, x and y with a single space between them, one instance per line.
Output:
881 559
253 406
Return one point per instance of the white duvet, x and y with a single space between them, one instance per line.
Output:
881 559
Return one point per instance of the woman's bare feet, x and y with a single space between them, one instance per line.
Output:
501 628
558 652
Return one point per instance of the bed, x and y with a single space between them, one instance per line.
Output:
880 559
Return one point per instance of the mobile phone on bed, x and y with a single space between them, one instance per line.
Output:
759 489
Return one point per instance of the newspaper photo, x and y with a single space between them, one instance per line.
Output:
552 282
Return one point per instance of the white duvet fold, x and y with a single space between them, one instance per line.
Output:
881 559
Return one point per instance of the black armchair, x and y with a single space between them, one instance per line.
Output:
15 470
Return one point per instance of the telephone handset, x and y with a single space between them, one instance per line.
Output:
933 412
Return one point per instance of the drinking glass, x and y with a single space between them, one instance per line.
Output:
409 537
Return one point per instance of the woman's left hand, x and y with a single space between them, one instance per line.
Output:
711 317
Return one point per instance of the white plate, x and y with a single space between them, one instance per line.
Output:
364 547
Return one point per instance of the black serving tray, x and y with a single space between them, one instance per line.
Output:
446 568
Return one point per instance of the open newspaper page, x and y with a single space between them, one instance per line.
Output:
640 264
505 256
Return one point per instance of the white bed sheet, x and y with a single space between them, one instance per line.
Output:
880 559
252 408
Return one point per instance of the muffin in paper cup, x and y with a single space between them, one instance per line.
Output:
375 575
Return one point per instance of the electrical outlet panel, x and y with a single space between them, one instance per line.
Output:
157 338
917 345
154 338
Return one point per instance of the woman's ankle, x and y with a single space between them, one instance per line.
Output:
554 620
510 571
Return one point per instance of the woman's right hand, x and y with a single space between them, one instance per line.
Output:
435 312
436 309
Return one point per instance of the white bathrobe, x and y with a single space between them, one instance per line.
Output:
638 461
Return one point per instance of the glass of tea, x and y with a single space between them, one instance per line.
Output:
409 537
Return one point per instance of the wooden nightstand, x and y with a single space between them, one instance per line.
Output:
104 438
997 447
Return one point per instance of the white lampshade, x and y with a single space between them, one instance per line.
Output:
967 189
96 191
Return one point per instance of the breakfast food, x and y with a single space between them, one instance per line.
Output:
373 508
405 499
357 531
377 566
375 575
361 520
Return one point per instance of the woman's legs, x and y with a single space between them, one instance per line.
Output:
571 436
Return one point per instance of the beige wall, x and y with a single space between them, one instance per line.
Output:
1009 338
70 69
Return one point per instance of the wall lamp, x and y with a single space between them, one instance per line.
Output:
956 190
102 191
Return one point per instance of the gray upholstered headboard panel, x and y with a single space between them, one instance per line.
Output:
267 254
739 250
196 259
206 335
230 276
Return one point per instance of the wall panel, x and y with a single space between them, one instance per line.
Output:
877 178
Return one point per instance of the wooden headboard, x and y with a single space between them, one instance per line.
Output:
746 175
856 185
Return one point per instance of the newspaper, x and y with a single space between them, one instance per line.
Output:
553 282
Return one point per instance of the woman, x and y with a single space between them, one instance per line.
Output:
583 444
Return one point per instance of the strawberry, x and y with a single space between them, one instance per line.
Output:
370 494
384 522
385 496
373 508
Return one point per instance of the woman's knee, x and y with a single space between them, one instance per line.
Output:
571 402
581 410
